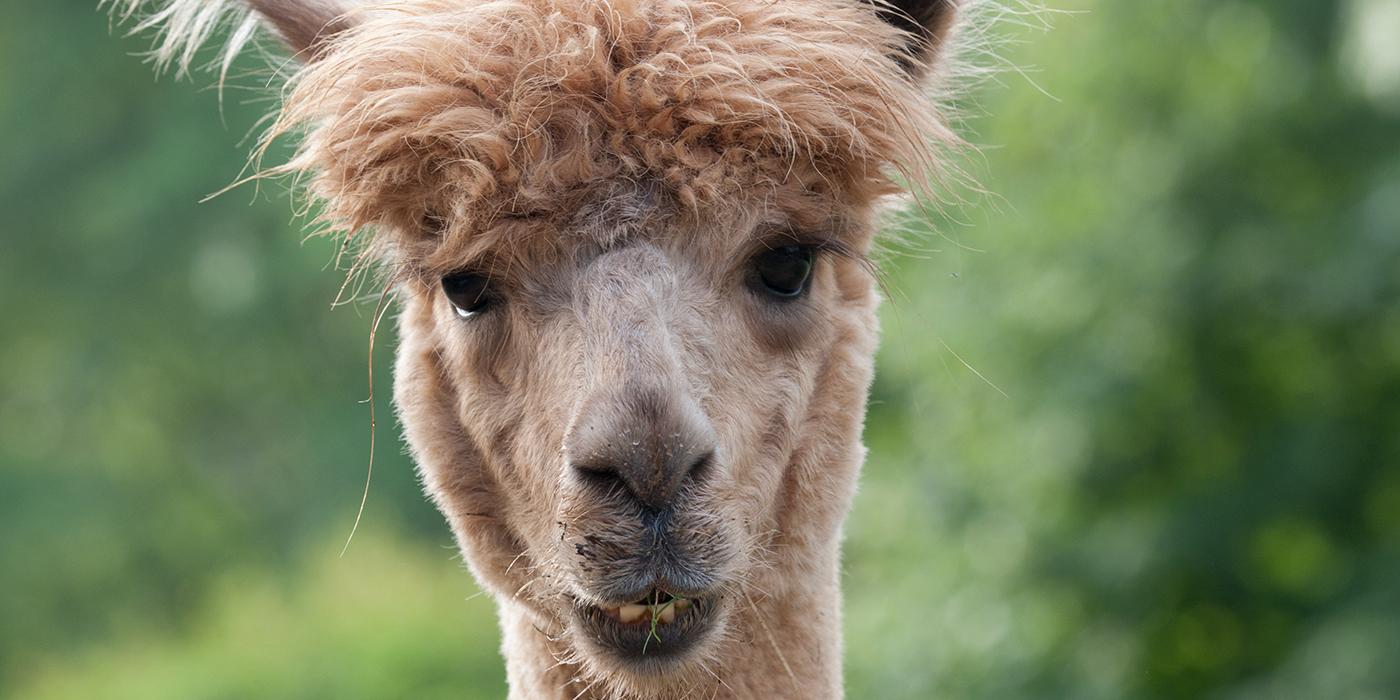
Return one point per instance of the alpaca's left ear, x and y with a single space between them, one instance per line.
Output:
305 26
925 23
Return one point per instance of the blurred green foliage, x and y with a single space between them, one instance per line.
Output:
1136 432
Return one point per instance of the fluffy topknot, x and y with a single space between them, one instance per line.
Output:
427 121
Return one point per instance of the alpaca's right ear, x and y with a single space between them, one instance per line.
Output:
926 24
305 26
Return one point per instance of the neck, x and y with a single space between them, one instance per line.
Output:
782 641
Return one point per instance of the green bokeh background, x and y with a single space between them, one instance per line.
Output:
1173 473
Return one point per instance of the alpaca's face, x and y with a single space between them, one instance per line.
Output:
637 326
628 239
644 419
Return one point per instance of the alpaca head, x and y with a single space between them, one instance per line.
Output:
628 239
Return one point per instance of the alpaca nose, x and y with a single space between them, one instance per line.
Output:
648 442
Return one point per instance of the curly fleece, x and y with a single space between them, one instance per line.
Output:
438 111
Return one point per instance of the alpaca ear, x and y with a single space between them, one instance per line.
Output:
925 24
305 26
182 26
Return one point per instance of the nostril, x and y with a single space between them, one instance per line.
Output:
602 477
700 468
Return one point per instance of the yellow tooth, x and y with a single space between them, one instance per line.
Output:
630 613
682 604
667 614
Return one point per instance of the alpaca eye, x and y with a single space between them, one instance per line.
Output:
783 272
468 292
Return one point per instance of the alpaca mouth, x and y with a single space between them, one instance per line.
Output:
657 606
655 628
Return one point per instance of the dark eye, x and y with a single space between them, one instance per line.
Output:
469 292
784 271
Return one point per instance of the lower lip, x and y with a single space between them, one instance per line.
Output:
644 643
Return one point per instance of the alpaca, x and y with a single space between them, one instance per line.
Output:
629 243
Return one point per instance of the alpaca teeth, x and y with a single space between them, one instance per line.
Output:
660 613
630 613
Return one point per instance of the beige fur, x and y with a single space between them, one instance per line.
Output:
614 166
